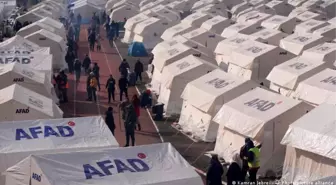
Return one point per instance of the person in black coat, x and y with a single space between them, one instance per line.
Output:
109 119
123 85
123 68
110 86
77 68
86 63
215 172
234 174
69 59
96 70
138 69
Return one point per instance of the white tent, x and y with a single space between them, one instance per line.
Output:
309 26
176 76
166 44
319 88
217 24
201 3
279 8
332 21
24 138
179 5
178 29
252 61
124 11
297 43
243 28
297 11
296 3
328 32
328 7
325 52
130 25
54 23
153 4
312 4
86 10
204 38
56 11
285 77
262 116
163 12
31 79
36 26
34 15
146 164
269 36
149 31
203 97
281 23
19 103
236 9
311 144
224 48
196 19
18 41
254 16
215 9
56 43
310 15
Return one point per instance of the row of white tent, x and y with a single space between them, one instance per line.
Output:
207 67
84 151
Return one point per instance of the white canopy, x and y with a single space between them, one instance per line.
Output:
166 44
252 60
327 31
146 164
243 28
325 52
253 17
309 15
297 43
130 25
21 139
203 98
54 23
203 37
281 23
36 26
19 103
311 141
309 26
217 24
56 43
319 88
279 7
269 36
264 117
196 19
34 15
332 21
20 42
31 79
163 12
176 76
124 11
285 77
296 3
178 29
86 9
236 9
219 8
328 7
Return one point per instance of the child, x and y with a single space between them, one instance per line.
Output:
98 43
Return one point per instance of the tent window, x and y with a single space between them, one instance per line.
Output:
42 38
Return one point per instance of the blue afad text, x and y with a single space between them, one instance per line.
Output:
43 132
104 167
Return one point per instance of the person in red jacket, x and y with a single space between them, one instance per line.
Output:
136 105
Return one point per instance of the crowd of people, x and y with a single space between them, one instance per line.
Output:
246 162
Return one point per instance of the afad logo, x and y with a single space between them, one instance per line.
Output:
37 177
104 168
45 132
261 105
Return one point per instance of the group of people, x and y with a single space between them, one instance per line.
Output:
247 161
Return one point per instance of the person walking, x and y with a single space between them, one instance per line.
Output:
69 59
123 85
98 42
86 63
138 69
95 70
136 105
244 156
117 29
62 83
109 119
77 68
110 86
123 68
93 86
79 19
234 174
253 161
111 34
215 172
129 117
92 39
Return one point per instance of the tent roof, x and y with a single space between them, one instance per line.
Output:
210 86
276 20
164 45
195 33
178 28
314 132
232 43
49 35
332 21
307 15
194 17
253 16
320 50
40 25
36 76
141 27
299 40
308 25
247 116
27 97
319 88
266 33
88 132
135 19
157 160
18 41
249 52
52 22
183 65
288 73
208 24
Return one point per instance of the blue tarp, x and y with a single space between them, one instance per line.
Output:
137 49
